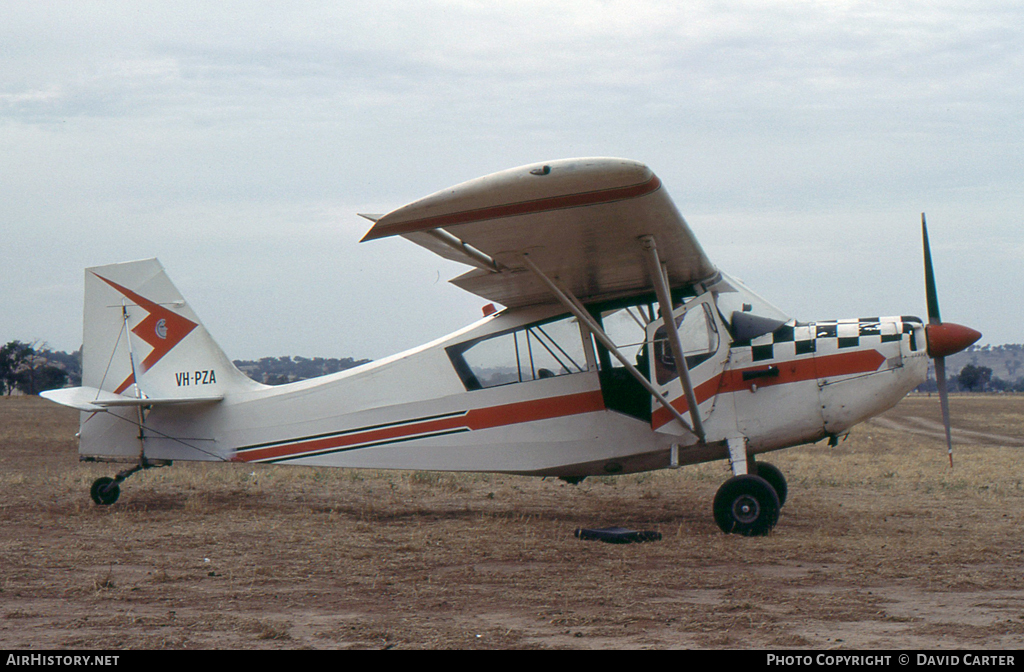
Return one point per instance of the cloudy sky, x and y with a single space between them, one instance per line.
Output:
237 142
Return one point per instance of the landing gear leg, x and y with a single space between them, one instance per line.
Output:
106 490
739 461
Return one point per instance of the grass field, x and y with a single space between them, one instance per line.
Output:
880 545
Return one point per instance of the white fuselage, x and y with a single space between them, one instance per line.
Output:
527 391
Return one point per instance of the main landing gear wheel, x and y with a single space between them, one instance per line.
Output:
773 475
105 491
747 505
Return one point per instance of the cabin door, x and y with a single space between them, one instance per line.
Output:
705 346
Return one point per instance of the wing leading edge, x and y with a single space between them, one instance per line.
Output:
579 220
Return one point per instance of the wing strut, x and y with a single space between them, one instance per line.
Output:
462 247
566 298
657 272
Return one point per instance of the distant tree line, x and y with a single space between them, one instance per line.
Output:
1011 356
280 370
32 368
980 379
975 376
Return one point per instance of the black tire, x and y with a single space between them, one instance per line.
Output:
746 505
773 475
105 491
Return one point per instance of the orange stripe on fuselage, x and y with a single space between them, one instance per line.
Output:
474 419
790 371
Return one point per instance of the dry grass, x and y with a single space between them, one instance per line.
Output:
880 545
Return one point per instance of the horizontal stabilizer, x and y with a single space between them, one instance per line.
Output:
94 400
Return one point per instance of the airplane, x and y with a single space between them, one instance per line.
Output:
620 348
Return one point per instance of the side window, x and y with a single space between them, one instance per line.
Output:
699 337
494 361
542 350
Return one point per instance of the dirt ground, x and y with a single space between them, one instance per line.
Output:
881 545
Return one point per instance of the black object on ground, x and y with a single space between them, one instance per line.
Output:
617 535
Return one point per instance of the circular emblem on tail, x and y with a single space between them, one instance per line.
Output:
161 328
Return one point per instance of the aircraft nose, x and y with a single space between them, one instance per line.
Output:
948 338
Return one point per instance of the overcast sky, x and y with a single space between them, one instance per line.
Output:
237 142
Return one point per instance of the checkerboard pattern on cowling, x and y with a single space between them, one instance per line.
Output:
804 338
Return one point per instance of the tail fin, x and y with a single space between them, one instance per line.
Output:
150 371
141 339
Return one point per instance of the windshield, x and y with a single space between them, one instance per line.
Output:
746 314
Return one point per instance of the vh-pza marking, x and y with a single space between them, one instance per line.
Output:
205 377
620 348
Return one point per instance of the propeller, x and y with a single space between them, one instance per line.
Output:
944 338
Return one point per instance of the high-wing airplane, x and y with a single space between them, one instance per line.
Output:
621 348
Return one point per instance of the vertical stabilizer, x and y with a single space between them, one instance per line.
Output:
141 339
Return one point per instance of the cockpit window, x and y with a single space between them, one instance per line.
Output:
537 351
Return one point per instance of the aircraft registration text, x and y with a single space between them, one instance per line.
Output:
188 378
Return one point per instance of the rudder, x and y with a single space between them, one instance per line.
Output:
141 338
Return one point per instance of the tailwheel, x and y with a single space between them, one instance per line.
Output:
746 505
105 491
773 475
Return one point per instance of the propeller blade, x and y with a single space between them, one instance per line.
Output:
943 339
940 379
929 278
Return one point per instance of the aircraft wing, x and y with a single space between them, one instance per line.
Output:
579 220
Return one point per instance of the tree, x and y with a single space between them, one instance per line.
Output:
974 378
41 376
13 356
24 368
69 362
